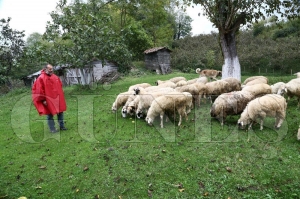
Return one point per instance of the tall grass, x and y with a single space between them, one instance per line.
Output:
103 155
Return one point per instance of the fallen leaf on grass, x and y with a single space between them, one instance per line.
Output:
228 169
205 194
181 190
85 168
42 167
38 187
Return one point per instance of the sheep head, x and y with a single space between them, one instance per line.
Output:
136 90
243 123
124 111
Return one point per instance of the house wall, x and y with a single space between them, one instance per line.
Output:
159 60
83 76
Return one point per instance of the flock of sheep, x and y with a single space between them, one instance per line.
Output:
253 100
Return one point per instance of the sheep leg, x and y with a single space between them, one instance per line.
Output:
162 120
278 122
180 119
261 124
250 125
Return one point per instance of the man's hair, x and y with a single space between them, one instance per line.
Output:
45 66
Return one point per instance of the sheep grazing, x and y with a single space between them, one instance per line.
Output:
297 74
258 89
202 80
216 88
293 89
189 99
143 85
121 100
168 103
253 78
146 99
138 90
130 102
168 84
232 103
272 105
174 80
192 89
181 83
212 74
278 88
131 107
191 81
257 81
234 84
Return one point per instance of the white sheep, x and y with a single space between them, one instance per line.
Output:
260 80
143 85
297 74
168 103
202 80
130 102
191 81
131 107
139 90
121 100
293 89
189 100
191 89
234 84
253 78
216 88
271 105
181 83
258 89
168 84
278 88
174 80
232 103
146 99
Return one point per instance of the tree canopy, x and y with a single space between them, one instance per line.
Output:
230 15
11 48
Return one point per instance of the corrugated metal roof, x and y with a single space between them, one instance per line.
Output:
151 50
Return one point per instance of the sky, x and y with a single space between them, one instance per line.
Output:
32 16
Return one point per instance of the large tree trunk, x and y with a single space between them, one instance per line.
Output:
231 67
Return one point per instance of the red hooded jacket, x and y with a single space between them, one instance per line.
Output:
48 88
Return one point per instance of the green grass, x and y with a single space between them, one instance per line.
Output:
103 155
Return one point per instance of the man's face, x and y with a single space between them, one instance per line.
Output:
49 69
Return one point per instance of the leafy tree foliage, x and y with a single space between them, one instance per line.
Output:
11 49
259 53
87 28
229 15
182 25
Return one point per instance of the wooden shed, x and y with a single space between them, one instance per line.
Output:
158 59
83 76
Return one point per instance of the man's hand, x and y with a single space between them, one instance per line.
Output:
45 103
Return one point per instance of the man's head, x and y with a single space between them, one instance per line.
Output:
49 69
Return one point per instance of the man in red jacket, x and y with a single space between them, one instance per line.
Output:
48 97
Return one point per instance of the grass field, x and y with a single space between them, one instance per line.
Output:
103 155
